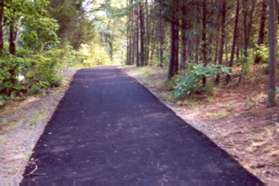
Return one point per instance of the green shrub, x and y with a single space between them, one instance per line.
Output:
94 54
43 72
191 81
66 56
260 54
27 75
10 69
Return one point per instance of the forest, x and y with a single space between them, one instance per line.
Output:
223 41
107 70
216 40
39 39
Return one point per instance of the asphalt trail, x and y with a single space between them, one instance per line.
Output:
109 130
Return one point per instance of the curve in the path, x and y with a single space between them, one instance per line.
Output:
110 131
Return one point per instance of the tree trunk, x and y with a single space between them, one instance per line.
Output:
133 35
235 38
129 38
142 34
248 13
222 37
12 38
147 31
184 37
272 54
245 30
173 65
262 28
204 36
1 26
161 35
137 36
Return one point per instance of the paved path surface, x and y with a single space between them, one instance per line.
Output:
110 131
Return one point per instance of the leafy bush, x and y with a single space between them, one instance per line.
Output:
191 81
20 76
261 54
65 56
94 54
42 73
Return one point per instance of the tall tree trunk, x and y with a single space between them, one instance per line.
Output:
277 10
142 34
262 28
222 37
137 36
133 35
235 38
248 13
197 37
173 65
245 30
204 36
1 26
129 34
272 54
184 36
129 48
12 38
161 35
147 31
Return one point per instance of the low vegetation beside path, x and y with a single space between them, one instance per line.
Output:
234 117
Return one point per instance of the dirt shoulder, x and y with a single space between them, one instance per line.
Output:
236 119
21 125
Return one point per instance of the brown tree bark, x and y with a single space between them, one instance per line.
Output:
161 34
204 36
261 36
248 13
137 38
235 38
184 35
173 65
12 38
272 54
142 34
147 32
222 36
1 26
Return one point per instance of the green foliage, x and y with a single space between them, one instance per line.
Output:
245 63
261 53
66 56
40 56
29 75
258 54
74 25
94 54
39 34
191 81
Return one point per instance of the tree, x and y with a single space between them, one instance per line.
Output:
204 32
173 65
204 35
184 29
161 33
74 26
142 34
272 54
235 37
261 36
1 26
222 36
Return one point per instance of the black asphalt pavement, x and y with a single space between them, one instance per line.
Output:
109 130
